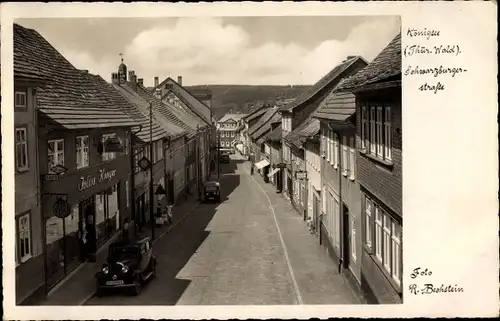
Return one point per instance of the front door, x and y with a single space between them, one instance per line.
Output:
346 237
87 210
316 209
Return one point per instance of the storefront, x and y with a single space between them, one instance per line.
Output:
98 201
141 192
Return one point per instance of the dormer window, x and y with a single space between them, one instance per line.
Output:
20 99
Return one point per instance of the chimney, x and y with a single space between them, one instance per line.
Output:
349 58
157 81
140 81
179 80
115 80
85 71
133 82
131 74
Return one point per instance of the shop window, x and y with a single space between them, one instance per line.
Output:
21 149
82 151
24 237
55 153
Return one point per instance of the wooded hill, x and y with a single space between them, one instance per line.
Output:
240 98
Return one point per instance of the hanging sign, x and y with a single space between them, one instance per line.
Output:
90 180
300 175
61 208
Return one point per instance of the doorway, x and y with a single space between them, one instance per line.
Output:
346 236
316 209
89 236
170 191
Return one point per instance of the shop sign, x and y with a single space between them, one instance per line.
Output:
301 175
61 208
90 180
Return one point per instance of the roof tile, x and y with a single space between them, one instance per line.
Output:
386 65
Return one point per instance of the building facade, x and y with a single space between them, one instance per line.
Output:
28 219
377 89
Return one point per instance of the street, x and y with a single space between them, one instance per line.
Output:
239 252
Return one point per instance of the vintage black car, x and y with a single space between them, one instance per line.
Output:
211 191
128 266
224 158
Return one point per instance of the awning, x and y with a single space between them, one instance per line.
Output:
274 171
263 163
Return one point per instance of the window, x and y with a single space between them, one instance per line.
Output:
336 152
336 222
82 151
55 153
368 222
363 128
396 254
379 139
378 233
352 156
232 134
24 237
345 164
387 134
106 156
387 243
328 145
127 195
353 238
372 130
21 149
322 142
20 99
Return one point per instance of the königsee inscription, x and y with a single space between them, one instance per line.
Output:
92 180
436 73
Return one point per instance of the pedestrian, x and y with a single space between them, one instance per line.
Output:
169 213
251 169
125 232
310 225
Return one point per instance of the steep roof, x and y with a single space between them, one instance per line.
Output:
235 117
322 83
307 129
70 98
263 120
186 113
161 125
275 135
337 106
197 106
386 65
117 98
257 113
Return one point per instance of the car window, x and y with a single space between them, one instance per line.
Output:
143 248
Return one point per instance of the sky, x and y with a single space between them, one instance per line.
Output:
218 50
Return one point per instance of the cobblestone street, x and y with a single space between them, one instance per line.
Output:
250 249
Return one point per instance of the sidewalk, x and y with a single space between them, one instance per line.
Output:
316 275
80 287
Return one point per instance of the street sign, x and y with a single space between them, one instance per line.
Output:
50 177
58 169
61 208
144 163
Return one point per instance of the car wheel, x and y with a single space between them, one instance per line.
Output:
137 285
98 290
